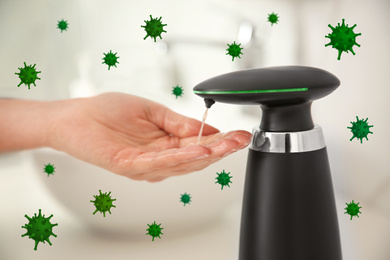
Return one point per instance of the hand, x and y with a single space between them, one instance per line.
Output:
138 138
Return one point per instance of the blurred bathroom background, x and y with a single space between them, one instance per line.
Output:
192 50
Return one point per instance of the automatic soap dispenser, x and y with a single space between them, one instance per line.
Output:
289 210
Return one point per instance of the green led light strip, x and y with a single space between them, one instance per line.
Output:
251 91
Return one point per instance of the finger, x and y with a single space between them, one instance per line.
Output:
176 124
231 143
153 161
163 162
206 140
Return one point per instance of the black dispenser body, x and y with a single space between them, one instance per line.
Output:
289 209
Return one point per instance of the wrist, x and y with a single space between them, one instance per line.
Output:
60 115
52 114
27 124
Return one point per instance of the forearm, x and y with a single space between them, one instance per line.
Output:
25 124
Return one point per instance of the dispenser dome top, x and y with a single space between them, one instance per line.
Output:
269 86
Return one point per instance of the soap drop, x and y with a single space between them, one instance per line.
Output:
201 128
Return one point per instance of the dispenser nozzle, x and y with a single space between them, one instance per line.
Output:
209 102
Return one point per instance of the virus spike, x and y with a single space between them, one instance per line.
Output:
339 56
47 240
29 219
36 245
342 38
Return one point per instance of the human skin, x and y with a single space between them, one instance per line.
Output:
127 135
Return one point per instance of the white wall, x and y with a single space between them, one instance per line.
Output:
197 34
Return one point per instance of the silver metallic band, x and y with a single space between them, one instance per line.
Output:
287 142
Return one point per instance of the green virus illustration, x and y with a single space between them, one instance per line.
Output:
177 91
273 18
353 209
154 230
39 228
342 38
185 198
62 25
234 50
28 75
223 179
153 28
103 203
49 169
110 59
360 129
